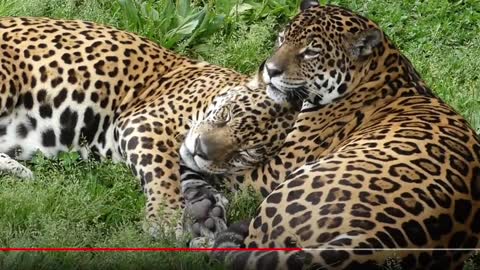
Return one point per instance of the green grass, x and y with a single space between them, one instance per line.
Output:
76 203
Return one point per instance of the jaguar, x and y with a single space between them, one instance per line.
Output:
70 85
376 166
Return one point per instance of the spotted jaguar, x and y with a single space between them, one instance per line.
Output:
377 166
69 85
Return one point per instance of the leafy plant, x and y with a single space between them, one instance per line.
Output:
186 23
167 22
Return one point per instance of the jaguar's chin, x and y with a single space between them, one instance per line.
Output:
276 94
293 96
188 159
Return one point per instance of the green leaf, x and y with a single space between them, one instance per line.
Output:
183 7
149 12
240 9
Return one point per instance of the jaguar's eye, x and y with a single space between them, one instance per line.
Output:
224 115
309 53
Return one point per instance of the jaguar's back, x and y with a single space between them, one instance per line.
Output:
63 82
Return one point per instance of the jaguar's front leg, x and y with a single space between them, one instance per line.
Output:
11 166
205 208
154 159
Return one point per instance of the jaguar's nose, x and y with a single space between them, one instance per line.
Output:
212 147
272 70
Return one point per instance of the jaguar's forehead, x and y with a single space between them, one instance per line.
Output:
238 95
327 21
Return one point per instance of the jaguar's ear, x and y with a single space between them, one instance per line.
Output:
308 3
361 44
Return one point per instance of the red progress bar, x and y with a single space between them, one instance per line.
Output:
145 249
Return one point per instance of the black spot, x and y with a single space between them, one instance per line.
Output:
395 212
294 208
475 183
463 209
91 122
78 96
295 183
49 138
342 88
385 239
33 122
56 81
72 78
274 198
68 121
67 58
381 217
60 98
45 111
415 232
28 100
396 235
314 197
300 220
294 195
362 224
332 209
133 159
99 67
22 131
270 211
41 95
146 159
14 151
132 143
148 177
438 226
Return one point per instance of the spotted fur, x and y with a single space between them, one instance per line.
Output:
75 85
379 162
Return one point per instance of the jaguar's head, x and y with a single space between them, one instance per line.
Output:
322 54
242 128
